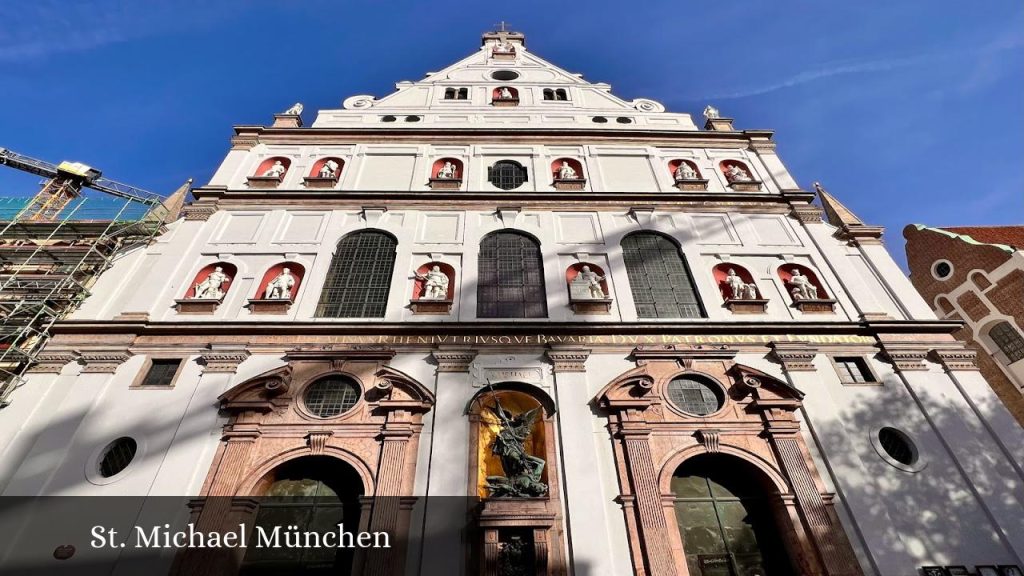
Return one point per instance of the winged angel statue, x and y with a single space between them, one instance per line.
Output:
522 470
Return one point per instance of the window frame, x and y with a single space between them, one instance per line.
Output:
503 273
868 371
652 289
147 365
339 289
721 394
492 169
1014 341
349 412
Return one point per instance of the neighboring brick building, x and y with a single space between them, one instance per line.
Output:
976 274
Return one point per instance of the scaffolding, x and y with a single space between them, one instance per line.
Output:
54 246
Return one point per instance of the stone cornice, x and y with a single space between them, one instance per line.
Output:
223 359
104 360
567 359
906 357
807 213
795 356
956 359
52 362
454 360
198 211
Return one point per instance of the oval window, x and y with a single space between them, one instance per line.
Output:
898 446
117 456
331 396
504 75
695 395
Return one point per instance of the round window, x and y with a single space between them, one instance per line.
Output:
695 395
388 118
504 75
331 396
624 120
117 456
412 118
942 269
600 120
898 446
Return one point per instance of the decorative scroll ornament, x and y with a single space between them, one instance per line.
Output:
523 471
317 441
357 102
645 105
709 439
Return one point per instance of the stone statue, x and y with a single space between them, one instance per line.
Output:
710 112
329 169
435 284
523 471
803 289
736 285
275 171
593 283
280 288
446 172
210 288
505 94
734 173
751 291
686 172
566 172
295 110
504 47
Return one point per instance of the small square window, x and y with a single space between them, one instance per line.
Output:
161 372
853 370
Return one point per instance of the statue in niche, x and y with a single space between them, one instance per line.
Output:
803 289
275 171
505 94
587 285
503 47
210 288
751 291
280 288
711 113
523 471
686 172
295 110
734 173
566 172
435 284
446 172
736 285
329 169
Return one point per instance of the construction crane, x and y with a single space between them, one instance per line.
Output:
65 183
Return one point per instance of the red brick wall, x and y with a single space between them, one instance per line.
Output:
1008 296
973 306
924 247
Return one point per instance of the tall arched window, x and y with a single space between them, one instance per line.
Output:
449 94
1009 341
659 278
510 277
360 276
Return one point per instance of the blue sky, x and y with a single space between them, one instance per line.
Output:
908 111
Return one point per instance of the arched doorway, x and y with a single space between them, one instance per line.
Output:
725 519
314 494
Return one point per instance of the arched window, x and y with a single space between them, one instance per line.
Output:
449 94
1008 340
659 278
510 277
560 94
359 278
463 93
549 94
507 174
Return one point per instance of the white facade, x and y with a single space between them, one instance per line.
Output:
959 503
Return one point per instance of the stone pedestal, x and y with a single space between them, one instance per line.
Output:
752 306
319 182
501 519
818 306
591 306
197 305
501 102
719 124
691 185
425 306
287 121
264 181
504 56
445 183
269 306
569 184
750 186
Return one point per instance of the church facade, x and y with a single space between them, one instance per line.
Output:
613 341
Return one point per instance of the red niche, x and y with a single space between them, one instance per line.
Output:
721 272
673 165
228 269
321 163
267 164
294 268
556 167
786 274
573 271
496 93
419 286
439 164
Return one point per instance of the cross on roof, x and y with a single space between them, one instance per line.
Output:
502 24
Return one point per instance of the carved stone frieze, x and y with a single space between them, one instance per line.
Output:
103 361
795 357
568 359
223 361
244 141
907 358
807 213
453 360
52 362
962 359
198 211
